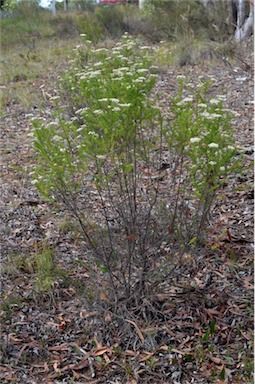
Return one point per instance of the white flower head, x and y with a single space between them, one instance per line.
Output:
116 109
54 98
213 145
214 101
212 162
125 105
98 112
139 80
205 114
101 157
215 115
101 50
188 99
57 138
92 133
142 70
195 140
221 97
80 111
113 100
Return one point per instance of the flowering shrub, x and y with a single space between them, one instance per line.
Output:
201 138
96 156
102 156
111 109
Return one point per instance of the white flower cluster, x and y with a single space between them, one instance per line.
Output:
92 133
213 145
81 111
214 101
98 112
210 116
185 101
195 140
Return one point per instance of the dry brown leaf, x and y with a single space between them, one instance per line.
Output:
15 339
62 347
132 236
84 363
212 312
55 366
104 297
146 356
184 341
137 329
217 360
105 356
177 351
128 352
246 335
4 369
248 282
198 281
229 234
107 317
101 351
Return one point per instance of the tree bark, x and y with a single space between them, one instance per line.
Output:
65 5
141 3
53 7
244 25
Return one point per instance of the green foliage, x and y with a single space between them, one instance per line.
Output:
112 19
82 5
111 104
17 264
200 136
104 150
9 306
176 19
46 270
110 132
209 332
21 6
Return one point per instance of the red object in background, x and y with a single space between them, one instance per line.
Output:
117 1
111 1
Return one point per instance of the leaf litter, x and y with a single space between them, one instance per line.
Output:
202 328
